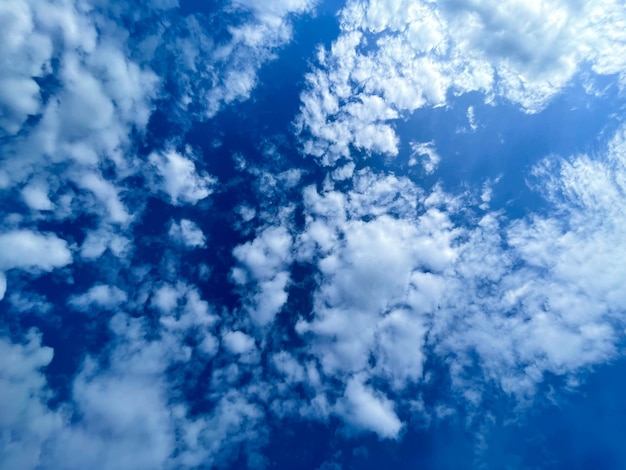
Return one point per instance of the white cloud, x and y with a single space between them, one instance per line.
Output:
29 302
26 249
502 303
100 296
428 154
396 279
288 366
187 233
215 73
36 196
413 53
166 298
238 342
554 299
25 419
121 411
125 412
66 65
471 118
370 248
106 193
367 410
26 56
98 241
3 285
265 261
180 180
515 299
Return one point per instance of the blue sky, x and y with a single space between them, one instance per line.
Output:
312 234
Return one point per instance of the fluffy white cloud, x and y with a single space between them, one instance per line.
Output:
238 342
426 152
365 409
514 300
26 249
187 233
26 56
265 261
101 95
502 303
36 196
71 100
552 302
371 249
214 73
400 273
25 419
3 285
180 179
99 296
392 58
98 241
126 412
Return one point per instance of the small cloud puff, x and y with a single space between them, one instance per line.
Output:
99 296
237 342
180 179
187 233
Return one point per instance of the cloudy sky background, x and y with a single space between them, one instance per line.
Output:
312 234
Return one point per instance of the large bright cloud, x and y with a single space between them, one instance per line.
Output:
394 57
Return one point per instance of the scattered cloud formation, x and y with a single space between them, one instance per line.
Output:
391 59
168 302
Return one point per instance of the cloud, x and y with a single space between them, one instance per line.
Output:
126 411
265 261
404 277
366 410
36 196
187 233
25 418
98 241
26 249
26 56
390 60
502 303
371 250
238 342
69 128
429 156
217 68
3 285
179 178
396 277
99 296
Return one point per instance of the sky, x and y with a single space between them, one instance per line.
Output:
312 234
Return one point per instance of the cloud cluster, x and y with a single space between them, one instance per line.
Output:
412 283
265 263
351 294
77 94
216 62
392 58
130 411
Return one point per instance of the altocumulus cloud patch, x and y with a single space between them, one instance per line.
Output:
190 280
